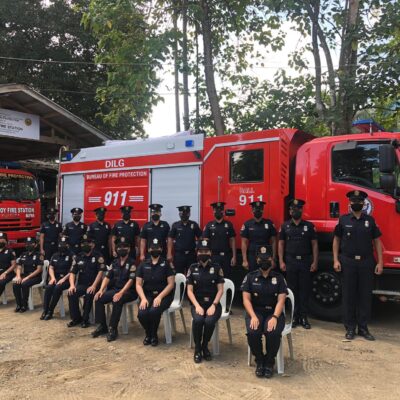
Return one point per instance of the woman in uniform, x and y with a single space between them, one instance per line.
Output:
264 295
155 281
205 286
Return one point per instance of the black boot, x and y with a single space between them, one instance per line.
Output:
154 341
268 371
43 315
100 330
73 323
23 309
197 357
260 369
85 323
18 308
112 334
304 323
206 354
350 334
48 316
147 340
364 332
295 322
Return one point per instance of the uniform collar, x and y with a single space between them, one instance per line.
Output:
362 216
126 222
294 224
271 274
261 221
219 223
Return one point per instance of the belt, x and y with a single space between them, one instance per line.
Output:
219 253
357 257
262 308
302 257
186 252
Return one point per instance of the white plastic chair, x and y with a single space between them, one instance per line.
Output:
127 310
176 305
61 304
226 312
38 286
4 296
287 331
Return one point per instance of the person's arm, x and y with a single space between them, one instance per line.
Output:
314 265
244 245
52 275
281 254
378 248
170 249
12 267
18 270
335 249
112 244
143 243
41 243
72 278
103 287
277 312
232 243
139 290
273 245
36 272
193 300
92 289
211 309
248 306
117 296
166 291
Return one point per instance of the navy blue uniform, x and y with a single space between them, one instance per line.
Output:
298 258
74 232
264 297
258 233
358 264
160 231
7 256
184 235
130 230
51 232
155 279
219 235
100 233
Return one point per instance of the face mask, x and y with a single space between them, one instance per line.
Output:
126 216
155 217
296 214
86 248
155 253
265 265
2 245
30 247
203 258
122 252
357 207
77 218
62 249
184 217
218 214
52 218
257 214
100 217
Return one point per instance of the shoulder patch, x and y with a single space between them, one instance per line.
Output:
101 260
221 272
133 268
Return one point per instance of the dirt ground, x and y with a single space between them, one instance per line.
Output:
40 360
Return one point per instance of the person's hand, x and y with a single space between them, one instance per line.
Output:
254 323
71 290
61 281
143 304
142 258
282 266
3 276
157 301
233 261
379 269
199 310
245 264
24 280
52 281
117 297
314 267
98 295
211 310
271 324
17 280
91 289
42 252
337 266
115 255
169 258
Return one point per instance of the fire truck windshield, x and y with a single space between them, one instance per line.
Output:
17 187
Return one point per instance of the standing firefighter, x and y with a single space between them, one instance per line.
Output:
7 262
49 234
355 235
99 231
182 241
298 256
74 230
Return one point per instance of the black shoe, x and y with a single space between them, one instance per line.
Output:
48 316
73 323
206 354
85 324
23 309
100 330
42 317
260 370
147 340
154 341
364 332
197 357
112 334
295 322
268 372
350 334
304 323
17 309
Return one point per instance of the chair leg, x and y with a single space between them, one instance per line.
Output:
131 312
172 317
4 297
215 340
124 320
228 327
91 315
41 293
290 344
61 305
30 299
183 320
108 312
280 365
248 356
167 327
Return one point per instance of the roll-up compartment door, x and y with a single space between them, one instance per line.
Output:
72 195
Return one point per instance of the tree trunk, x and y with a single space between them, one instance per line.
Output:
176 66
209 69
185 69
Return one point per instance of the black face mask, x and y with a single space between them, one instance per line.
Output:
62 249
86 248
357 207
2 245
155 217
126 216
122 252
184 217
296 214
52 218
265 265
155 253
257 214
218 214
30 247
76 218
203 258
100 217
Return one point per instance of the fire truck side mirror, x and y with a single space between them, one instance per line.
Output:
41 187
230 212
387 159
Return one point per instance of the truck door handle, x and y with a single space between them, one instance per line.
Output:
334 209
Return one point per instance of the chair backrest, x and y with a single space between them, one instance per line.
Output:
45 271
290 296
229 286
180 280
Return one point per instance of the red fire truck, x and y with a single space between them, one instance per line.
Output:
273 166
19 205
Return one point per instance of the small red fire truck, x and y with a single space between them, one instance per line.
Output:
272 165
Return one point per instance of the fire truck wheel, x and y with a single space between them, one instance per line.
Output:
326 295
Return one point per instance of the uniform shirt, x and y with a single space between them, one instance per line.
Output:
258 233
264 291
219 234
185 235
119 274
88 267
298 237
155 277
61 263
51 232
7 256
30 261
357 235
205 280
128 229
100 233
151 231
74 233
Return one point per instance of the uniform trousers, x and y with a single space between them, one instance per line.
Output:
3 282
73 300
183 261
21 290
52 295
225 262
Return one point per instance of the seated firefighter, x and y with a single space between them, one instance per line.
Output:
118 288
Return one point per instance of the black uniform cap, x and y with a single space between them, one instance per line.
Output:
3 235
121 241
184 208
264 252
52 211
155 244
357 195
30 240
155 207
257 204
296 203
86 239
218 204
126 208
203 245
76 210
100 210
